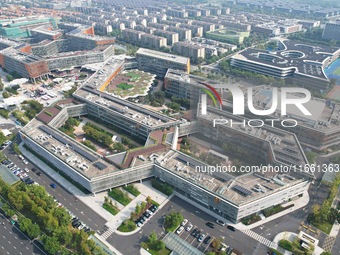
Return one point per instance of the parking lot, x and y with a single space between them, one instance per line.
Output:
243 243
78 209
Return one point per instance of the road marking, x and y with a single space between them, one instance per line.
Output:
9 242
2 247
15 237
26 247
14 247
10 232
21 242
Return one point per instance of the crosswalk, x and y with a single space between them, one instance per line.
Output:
107 233
258 237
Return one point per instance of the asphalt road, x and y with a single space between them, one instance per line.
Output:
292 221
238 240
13 242
78 208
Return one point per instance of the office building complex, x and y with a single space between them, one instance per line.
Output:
302 63
159 62
332 31
222 193
20 27
24 64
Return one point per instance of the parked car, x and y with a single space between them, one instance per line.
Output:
207 240
147 215
189 227
219 222
193 233
180 230
201 237
184 222
38 173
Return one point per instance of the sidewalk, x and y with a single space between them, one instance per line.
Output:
125 213
299 203
145 190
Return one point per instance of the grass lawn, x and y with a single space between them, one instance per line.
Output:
166 251
113 210
120 196
127 226
172 229
131 189
325 227
133 76
155 203
124 86
337 71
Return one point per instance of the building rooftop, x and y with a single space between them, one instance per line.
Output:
162 55
325 113
83 160
285 146
22 57
237 190
305 59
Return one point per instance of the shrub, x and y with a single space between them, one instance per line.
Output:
162 187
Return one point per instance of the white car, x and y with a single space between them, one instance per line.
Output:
179 230
189 227
26 170
25 162
184 222
21 157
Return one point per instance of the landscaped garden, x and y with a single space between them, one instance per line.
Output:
120 196
323 217
155 246
162 187
172 221
132 189
109 206
124 86
131 84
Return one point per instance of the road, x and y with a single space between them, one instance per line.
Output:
13 241
78 208
131 244
292 221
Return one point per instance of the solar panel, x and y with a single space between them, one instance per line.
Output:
100 165
242 191
75 147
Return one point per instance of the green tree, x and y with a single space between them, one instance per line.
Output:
2 137
5 94
9 77
16 148
34 231
51 244
153 238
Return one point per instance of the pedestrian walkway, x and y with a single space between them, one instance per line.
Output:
125 213
298 203
259 238
328 243
107 233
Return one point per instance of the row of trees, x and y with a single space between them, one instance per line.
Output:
324 213
98 134
172 220
40 217
32 108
